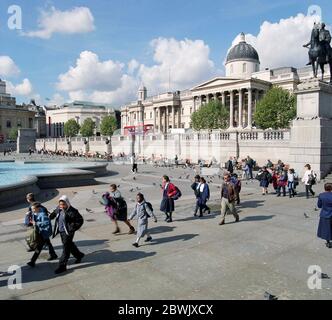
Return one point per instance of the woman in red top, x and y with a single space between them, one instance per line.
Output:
167 203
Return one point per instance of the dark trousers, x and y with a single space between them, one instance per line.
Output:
283 188
309 189
134 168
40 248
202 207
250 173
69 247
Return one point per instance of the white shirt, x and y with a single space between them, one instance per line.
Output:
305 178
201 187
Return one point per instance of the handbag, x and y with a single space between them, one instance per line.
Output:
312 179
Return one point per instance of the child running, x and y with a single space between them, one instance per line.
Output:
143 210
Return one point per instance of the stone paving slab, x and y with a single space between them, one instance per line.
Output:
269 250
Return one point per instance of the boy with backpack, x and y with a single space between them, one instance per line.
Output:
143 211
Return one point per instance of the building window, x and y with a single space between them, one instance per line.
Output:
191 110
134 116
19 123
182 111
150 115
182 125
8 124
244 68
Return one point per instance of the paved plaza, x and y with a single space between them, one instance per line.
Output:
270 249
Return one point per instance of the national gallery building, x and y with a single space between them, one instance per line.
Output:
244 85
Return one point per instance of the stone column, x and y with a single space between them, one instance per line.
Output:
223 98
256 98
173 117
215 96
166 120
154 119
179 116
160 120
240 109
249 108
231 120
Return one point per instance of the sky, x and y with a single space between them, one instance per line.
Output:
103 50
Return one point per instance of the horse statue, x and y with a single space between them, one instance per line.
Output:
320 51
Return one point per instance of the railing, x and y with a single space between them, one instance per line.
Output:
249 136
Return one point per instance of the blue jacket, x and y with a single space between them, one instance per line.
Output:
325 203
205 195
44 225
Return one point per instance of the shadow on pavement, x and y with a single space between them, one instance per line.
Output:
257 218
45 271
161 229
212 215
87 243
251 204
183 237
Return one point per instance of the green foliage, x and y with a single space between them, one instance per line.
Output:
72 128
212 116
108 126
276 110
13 134
87 129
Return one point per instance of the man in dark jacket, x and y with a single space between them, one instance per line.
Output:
67 221
229 165
228 198
195 188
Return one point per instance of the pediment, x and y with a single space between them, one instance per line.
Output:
215 83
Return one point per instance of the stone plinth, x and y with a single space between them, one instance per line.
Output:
312 130
26 139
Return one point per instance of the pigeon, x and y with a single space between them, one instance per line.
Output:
134 178
88 210
74 192
219 187
118 186
179 178
138 189
306 216
316 209
324 276
94 192
188 176
269 296
154 184
131 190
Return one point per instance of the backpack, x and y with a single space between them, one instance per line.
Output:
312 179
150 207
178 194
33 238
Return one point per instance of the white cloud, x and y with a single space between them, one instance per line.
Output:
133 66
76 20
56 100
281 44
91 74
24 89
8 67
184 63
117 83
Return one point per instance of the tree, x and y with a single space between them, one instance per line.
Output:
108 126
212 116
87 129
276 110
13 134
72 128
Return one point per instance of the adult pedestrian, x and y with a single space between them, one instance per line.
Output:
228 199
251 164
309 179
229 165
265 180
133 162
195 187
325 222
291 183
282 183
203 197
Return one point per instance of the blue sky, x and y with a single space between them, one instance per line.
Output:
124 29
